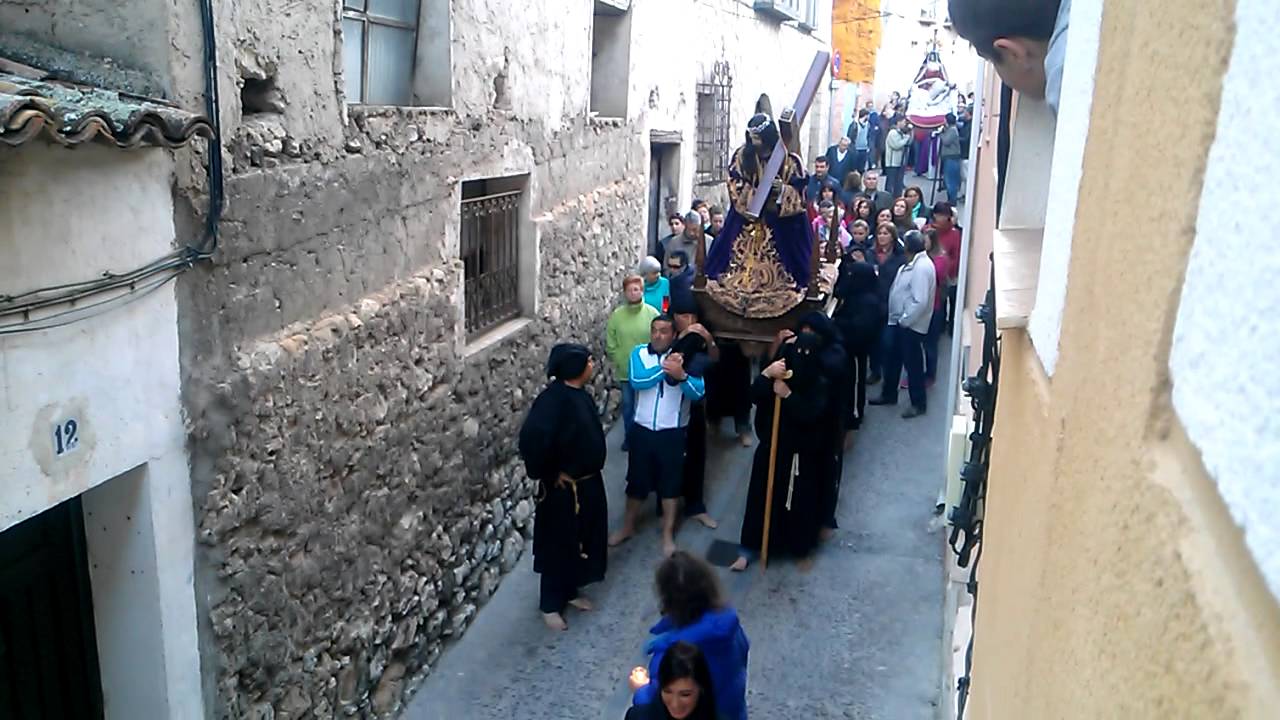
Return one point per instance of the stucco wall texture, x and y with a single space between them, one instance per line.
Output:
1114 583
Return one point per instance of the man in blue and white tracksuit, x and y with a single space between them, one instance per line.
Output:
655 462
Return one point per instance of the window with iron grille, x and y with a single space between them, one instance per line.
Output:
714 96
490 252
379 44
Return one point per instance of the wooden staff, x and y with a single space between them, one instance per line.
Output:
768 491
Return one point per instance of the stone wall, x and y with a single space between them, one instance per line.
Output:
357 490
359 497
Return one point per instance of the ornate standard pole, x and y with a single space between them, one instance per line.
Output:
768 489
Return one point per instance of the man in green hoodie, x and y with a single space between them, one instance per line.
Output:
628 327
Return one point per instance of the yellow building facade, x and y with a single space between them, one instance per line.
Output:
1129 550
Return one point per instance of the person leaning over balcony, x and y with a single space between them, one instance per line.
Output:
628 327
1026 40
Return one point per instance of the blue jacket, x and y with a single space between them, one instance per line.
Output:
720 637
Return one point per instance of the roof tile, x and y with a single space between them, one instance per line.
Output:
71 114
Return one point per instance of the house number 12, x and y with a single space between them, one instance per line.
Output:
65 437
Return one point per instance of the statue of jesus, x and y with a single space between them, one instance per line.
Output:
759 267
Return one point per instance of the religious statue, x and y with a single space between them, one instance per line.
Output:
760 264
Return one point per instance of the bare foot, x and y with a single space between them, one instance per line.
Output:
582 603
706 520
555 622
805 564
739 565
826 534
668 548
620 537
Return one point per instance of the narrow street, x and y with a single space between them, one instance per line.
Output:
860 636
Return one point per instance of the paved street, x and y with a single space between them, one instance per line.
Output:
860 636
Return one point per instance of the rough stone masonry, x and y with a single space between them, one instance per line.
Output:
358 495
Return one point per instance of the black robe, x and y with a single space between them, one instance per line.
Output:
834 363
729 385
858 317
794 531
562 434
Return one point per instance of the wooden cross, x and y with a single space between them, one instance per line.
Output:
788 130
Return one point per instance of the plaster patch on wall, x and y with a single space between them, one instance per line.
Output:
62 438
1064 180
1223 391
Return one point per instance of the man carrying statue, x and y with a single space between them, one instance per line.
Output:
760 266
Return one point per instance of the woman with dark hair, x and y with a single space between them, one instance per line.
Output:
686 691
694 612
915 203
901 214
862 209
827 192
883 217
887 255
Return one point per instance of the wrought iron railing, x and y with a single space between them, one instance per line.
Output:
967 515
491 260
713 142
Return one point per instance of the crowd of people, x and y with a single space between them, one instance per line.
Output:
895 290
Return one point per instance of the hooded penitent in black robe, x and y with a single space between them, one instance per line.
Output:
835 364
858 317
802 460
562 434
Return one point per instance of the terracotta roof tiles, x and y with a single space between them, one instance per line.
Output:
71 114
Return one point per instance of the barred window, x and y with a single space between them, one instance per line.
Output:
379 43
490 254
714 96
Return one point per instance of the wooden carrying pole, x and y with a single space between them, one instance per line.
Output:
768 488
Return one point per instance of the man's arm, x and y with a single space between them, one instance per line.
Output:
693 388
641 377
612 343
919 283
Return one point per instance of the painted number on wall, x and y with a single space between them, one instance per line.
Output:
66 437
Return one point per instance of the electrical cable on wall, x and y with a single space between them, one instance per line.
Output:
16 310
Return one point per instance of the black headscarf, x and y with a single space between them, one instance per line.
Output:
567 361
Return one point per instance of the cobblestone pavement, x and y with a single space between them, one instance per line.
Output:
859 636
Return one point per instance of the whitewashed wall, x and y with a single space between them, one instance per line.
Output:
904 40
1064 179
674 43
1225 386
68 215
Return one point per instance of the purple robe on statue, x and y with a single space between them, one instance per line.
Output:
786 221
